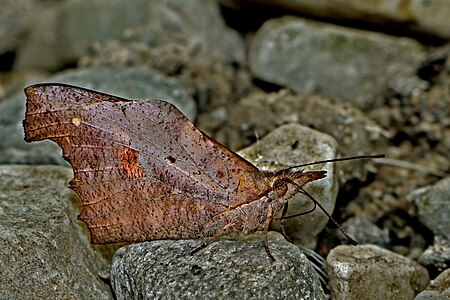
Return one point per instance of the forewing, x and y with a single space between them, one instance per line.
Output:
142 170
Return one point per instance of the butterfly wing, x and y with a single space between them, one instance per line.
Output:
142 170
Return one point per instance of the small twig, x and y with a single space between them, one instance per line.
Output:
411 166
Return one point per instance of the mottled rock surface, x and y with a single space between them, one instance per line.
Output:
45 253
226 269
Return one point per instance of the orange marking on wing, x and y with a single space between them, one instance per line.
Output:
128 163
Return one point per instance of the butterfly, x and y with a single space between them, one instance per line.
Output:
144 171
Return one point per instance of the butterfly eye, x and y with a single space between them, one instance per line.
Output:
279 187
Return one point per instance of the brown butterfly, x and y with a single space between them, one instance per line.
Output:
144 172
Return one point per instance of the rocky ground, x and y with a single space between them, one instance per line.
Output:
282 86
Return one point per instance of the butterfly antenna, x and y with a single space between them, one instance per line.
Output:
371 156
349 238
316 203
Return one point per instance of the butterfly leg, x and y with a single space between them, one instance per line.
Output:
267 222
213 238
283 229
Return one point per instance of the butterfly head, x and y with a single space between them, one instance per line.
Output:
287 182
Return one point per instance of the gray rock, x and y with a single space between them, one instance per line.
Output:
290 145
14 17
422 16
196 24
441 284
371 272
45 253
127 82
356 66
78 23
13 148
433 207
226 269
439 288
430 295
261 113
438 254
366 232
131 83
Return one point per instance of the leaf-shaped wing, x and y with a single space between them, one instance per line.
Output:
142 170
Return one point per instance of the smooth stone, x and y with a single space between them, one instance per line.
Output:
355 66
371 272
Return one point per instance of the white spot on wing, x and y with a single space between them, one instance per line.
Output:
76 121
